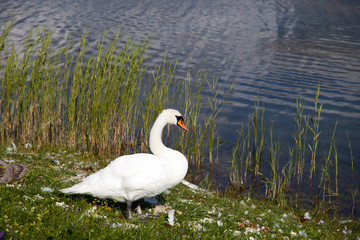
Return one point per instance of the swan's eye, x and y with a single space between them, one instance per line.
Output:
179 119
180 122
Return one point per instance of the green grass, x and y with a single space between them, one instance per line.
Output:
27 212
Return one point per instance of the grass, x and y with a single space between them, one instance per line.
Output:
30 211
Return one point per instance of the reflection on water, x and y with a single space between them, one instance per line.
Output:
275 51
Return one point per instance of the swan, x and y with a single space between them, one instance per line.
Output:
132 177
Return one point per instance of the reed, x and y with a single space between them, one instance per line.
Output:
274 149
325 180
258 147
351 153
235 174
353 195
215 103
314 128
300 136
286 173
104 103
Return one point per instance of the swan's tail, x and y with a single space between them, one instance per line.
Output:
76 189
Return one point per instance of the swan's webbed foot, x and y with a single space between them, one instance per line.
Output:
138 210
128 209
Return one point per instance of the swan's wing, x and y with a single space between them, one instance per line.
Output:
124 177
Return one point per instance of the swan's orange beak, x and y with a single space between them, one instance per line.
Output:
180 123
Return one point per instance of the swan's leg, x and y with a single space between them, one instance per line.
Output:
138 209
128 209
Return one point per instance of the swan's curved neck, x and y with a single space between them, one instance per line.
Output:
155 142
176 162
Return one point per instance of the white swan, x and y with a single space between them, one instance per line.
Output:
133 177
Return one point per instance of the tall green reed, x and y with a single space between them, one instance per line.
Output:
287 175
104 102
300 136
314 128
247 153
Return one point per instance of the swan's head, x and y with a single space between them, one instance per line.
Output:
174 117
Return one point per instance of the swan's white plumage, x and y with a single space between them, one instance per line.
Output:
132 177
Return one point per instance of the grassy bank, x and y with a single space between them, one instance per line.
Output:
31 211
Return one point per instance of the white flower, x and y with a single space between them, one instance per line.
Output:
345 221
28 145
14 146
302 233
293 234
307 215
253 206
207 220
198 227
320 222
37 196
250 230
246 212
284 215
61 204
219 223
345 231
47 189
124 225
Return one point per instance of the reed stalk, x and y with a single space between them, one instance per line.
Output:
325 179
300 140
314 128
351 153
275 182
353 195
236 163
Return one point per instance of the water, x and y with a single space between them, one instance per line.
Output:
274 51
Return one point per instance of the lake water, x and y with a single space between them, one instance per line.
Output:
274 51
